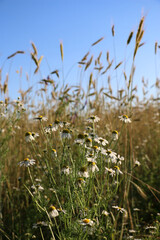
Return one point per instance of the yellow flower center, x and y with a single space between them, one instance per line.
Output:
26 159
50 125
90 155
57 121
81 136
125 116
116 167
40 117
66 131
52 208
95 147
92 117
88 140
54 150
86 220
115 132
28 134
109 152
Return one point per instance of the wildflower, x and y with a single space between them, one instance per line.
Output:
104 212
136 209
35 135
57 124
38 187
80 139
66 170
111 156
125 119
66 133
101 141
65 124
53 212
84 172
117 170
53 152
80 181
39 224
93 119
41 118
27 162
96 148
137 163
120 159
90 157
88 142
110 170
86 222
121 210
29 137
61 210
114 135
93 167
49 129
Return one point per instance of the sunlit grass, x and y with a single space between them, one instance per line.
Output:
80 164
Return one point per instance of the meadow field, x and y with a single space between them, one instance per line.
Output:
81 162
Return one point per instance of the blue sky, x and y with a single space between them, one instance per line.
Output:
78 24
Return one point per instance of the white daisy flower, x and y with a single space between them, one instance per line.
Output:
110 170
84 172
41 118
91 157
101 141
53 153
111 156
96 148
93 119
117 170
114 135
49 129
57 124
88 142
53 212
92 167
120 159
66 133
80 139
27 162
66 170
137 163
121 210
80 181
35 135
125 119
29 137
104 212
86 222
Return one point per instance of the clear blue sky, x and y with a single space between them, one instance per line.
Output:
78 23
